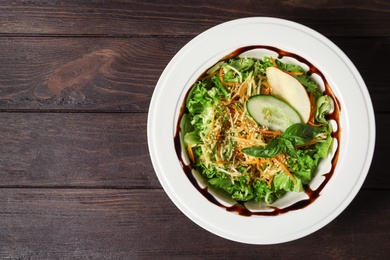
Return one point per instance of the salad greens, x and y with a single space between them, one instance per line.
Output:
238 155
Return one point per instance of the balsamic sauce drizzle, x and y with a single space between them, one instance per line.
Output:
239 208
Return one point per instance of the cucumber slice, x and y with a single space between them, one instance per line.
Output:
272 112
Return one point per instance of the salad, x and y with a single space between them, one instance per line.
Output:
256 128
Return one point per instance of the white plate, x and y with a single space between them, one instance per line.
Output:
356 121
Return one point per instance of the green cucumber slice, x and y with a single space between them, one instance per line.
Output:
271 112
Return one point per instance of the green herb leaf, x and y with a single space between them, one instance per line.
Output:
238 188
272 149
242 64
288 147
283 182
324 106
301 133
218 83
185 124
296 134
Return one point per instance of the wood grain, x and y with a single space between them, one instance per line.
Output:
128 224
75 150
77 73
134 18
76 79
103 150
117 74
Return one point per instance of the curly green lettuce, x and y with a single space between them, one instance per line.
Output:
235 154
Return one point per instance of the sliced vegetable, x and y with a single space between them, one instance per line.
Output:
248 139
272 112
289 89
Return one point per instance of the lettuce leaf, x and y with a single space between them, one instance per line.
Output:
303 162
283 182
324 106
238 189
306 163
242 64
192 138
263 192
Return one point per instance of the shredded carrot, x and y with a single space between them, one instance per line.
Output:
234 84
313 108
221 162
270 181
273 61
313 124
284 168
315 140
260 162
191 153
224 82
312 100
225 102
241 91
270 132
217 133
266 88
243 88
219 150
258 165
295 73
221 75
256 161
252 162
212 117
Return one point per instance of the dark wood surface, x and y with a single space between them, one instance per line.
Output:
76 79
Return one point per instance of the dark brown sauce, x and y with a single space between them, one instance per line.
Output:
239 208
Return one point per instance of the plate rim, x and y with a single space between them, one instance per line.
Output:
173 193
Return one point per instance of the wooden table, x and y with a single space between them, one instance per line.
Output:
76 79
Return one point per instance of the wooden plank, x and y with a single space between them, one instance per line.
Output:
364 53
120 74
130 18
102 150
80 73
378 175
77 150
119 224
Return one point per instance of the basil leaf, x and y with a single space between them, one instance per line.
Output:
296 134
272 149
288 147
301 133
